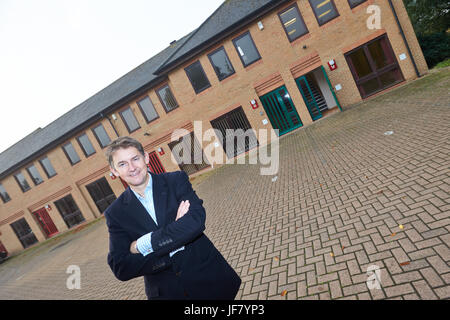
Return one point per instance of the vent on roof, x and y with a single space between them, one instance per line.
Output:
173 42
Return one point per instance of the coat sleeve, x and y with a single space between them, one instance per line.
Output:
187 228
124 264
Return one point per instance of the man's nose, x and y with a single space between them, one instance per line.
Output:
131 167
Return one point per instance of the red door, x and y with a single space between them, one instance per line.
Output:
46 222
3 252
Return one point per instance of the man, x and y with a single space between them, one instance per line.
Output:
156 231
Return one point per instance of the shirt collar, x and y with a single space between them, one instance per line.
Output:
148 188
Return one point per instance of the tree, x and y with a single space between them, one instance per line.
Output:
429 16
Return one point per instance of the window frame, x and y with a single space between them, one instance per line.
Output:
228 58
32 177
7 194
67 154
142 110
20 185
197 64
162 101
253 42
45 169
126 123
317 18
355 5
294 5
82 146
97 138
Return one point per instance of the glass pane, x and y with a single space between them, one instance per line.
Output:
324 10
354 3
293 23
390 77
71 153
86 144
4 195
23 183
35 175
370 86
380 53
167 98
48 167
197 76
360 62
102 136
246 49
221 64
130 120
148 109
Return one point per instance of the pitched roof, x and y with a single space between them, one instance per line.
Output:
230 15
35 143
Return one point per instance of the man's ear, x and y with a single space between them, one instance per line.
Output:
146 158
114 171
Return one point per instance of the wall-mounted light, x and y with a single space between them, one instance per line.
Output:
160 151
48 207
260 25
113 177
114 117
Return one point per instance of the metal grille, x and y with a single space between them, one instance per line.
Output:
154 164
237 134
101 193
193 161
24 233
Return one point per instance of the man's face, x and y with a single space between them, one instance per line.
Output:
130 165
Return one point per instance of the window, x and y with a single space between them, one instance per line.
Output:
71 154
221 64
3 194
354 3
148 110
24 233
246 49
101 193
69 211
34 174
130 120
86 145
373 66
197 77
101 136
23 183
293 23
47 166
325 10
167 99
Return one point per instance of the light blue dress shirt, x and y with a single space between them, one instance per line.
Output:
144 243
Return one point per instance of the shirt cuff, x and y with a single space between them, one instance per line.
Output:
175 251
144 244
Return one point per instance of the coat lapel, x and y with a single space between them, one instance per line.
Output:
160 190
137 211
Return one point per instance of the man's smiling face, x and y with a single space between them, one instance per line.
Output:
131 166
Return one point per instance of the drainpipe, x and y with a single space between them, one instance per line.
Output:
404 38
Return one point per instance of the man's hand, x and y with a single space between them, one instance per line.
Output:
182 209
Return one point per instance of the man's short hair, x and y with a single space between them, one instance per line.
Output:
122 143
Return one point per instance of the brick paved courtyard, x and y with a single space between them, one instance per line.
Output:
334 209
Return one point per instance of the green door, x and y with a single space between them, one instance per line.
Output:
281 111
308 96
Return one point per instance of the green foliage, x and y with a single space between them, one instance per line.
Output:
429 16
435 47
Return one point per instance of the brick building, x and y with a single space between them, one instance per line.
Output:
252 64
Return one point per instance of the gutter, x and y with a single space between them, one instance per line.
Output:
404 38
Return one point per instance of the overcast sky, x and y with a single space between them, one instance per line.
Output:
55 54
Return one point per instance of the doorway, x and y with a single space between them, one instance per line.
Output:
281 110
46 223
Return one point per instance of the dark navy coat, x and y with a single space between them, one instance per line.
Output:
199 272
